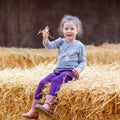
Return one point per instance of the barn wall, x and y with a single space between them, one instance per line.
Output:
20 20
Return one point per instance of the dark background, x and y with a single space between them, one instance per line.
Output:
20 20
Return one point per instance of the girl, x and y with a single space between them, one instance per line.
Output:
71 62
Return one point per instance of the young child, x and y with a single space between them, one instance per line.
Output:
71 62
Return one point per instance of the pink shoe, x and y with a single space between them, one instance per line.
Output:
48 107
32 114
44 109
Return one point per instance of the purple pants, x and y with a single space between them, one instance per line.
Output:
56 78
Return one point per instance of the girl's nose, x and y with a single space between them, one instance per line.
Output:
69 30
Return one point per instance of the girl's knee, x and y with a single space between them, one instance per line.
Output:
66 77
41 82
63 77
55 80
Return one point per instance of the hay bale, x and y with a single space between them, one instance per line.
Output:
104 54
29 58
24 57
95 96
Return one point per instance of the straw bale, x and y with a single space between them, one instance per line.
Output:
94 96
24 57
104 54
29 58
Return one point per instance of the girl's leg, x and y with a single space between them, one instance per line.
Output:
57 81
32 113
48 106
38 94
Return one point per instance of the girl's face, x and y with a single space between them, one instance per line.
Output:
70 30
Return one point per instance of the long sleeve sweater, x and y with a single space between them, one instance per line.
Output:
70 55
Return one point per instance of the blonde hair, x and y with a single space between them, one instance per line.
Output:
75 19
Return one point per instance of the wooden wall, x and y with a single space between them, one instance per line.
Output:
20 20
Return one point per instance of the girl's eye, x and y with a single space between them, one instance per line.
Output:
66 28
72 28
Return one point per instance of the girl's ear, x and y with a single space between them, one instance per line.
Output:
78 30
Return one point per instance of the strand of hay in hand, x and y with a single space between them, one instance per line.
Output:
45 30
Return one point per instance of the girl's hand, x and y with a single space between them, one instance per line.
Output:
45 35
76 72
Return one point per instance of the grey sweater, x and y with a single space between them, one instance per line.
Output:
70 55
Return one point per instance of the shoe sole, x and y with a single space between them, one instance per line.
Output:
28 118
43 110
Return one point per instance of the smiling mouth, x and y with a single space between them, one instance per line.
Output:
69 35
